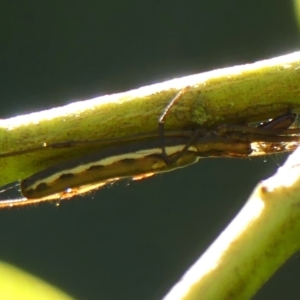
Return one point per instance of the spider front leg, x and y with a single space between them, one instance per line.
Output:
161 130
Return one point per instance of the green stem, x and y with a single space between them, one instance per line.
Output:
227 96
263 236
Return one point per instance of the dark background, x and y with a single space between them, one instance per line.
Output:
133 240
